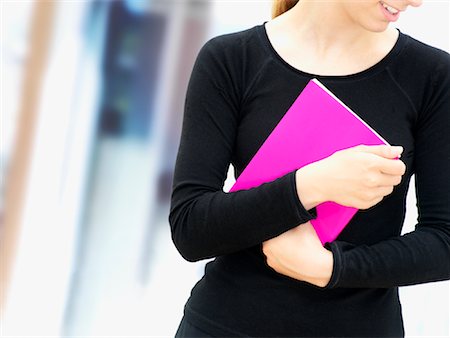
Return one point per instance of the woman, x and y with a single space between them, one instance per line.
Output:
271 275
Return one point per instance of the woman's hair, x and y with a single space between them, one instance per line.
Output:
281 6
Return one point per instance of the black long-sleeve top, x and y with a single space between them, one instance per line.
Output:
239 89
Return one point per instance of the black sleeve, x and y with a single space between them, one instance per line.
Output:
205 221
424 254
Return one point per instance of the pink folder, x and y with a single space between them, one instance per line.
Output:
315 126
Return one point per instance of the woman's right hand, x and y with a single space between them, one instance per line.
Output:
358 177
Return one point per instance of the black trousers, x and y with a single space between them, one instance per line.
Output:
186 329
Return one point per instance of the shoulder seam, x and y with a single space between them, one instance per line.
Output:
408 98
253 81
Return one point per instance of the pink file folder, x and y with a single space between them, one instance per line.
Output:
315 126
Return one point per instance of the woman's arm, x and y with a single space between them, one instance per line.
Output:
417 257
205 221
424 254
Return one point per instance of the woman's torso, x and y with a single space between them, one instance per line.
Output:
239 294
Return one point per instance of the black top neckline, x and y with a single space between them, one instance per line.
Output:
395 50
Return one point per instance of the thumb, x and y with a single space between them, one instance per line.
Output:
381 150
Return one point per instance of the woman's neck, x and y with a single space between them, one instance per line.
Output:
326 27
313 35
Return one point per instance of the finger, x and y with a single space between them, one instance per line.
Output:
383 150
392 167
387 180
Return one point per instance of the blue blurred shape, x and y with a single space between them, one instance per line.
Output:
137 6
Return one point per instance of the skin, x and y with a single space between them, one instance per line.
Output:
358 35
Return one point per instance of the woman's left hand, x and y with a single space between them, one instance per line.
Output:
298 253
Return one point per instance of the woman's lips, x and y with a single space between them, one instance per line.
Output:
389 12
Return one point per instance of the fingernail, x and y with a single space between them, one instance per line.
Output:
397 150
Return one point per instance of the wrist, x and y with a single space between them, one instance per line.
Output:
326 269
321 274
308 182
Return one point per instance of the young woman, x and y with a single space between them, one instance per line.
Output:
271 275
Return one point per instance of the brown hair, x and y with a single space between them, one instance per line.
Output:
281 6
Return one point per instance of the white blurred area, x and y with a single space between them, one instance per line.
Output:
92 97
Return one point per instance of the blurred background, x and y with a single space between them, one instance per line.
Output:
92 99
